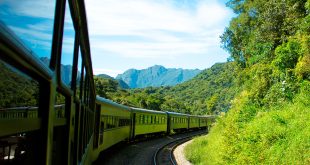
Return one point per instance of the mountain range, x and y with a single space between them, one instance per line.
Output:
156 76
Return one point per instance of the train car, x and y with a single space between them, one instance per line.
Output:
193 122
148 122
177 122
113 123
203 122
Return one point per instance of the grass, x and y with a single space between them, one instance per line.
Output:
279 135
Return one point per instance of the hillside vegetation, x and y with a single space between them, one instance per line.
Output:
268 120
209 92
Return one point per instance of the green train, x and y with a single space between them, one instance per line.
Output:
116 123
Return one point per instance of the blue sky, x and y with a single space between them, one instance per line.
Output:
129 34
142 33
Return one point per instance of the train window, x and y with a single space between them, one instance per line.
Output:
85 89
59 105
112 121
32 21
145 119
19 98
78 76
116 121
141 119
124 122
82 81
67 48
19 94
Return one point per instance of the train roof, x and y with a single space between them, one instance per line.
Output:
197 116
146 110
110 102
206 116
176 113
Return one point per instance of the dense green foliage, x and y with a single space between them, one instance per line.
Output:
268 121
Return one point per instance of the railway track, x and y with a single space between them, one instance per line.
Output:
142 152
164 154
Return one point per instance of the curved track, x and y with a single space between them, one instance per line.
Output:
141 152
164 154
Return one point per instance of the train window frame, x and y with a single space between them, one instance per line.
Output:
65 37
16 72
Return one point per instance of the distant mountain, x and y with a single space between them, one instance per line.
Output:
66 70
120 82
156 76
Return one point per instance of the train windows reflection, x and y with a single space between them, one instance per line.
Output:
18 94
32 21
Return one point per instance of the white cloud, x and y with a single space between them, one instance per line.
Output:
166 30
32 8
